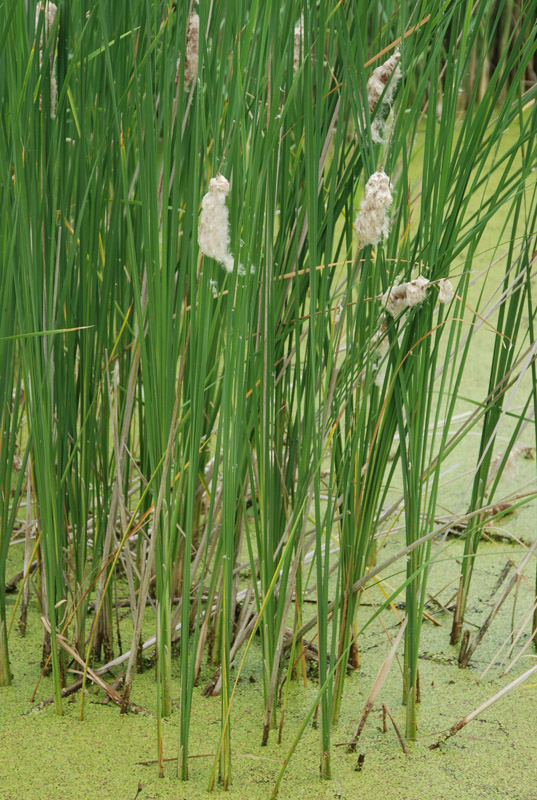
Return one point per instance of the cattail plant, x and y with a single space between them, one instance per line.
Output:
11 405
217 454
505 361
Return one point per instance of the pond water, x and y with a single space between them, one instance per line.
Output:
493 757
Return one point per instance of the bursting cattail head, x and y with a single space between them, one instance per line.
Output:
405 295
377 83
191 50
372 222
213 230
446 291
394 300
299 43
416 291
49 10
383 83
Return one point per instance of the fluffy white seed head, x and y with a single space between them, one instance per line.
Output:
213 230
49 10
394 300
379 129
416 291
386 77
219 185
372 222
406 295
379 189
446 292
299 44
389 71
191 50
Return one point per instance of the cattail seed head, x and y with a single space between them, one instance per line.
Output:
405 295
416 291
372 222
49 10
446 292
191 50
299 44
388 71
394 300
213 230
384 79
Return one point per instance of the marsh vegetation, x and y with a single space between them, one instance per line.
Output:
268 355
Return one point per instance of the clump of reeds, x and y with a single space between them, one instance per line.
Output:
192 474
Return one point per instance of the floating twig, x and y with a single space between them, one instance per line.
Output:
110 691
11 584
66 692
386 710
